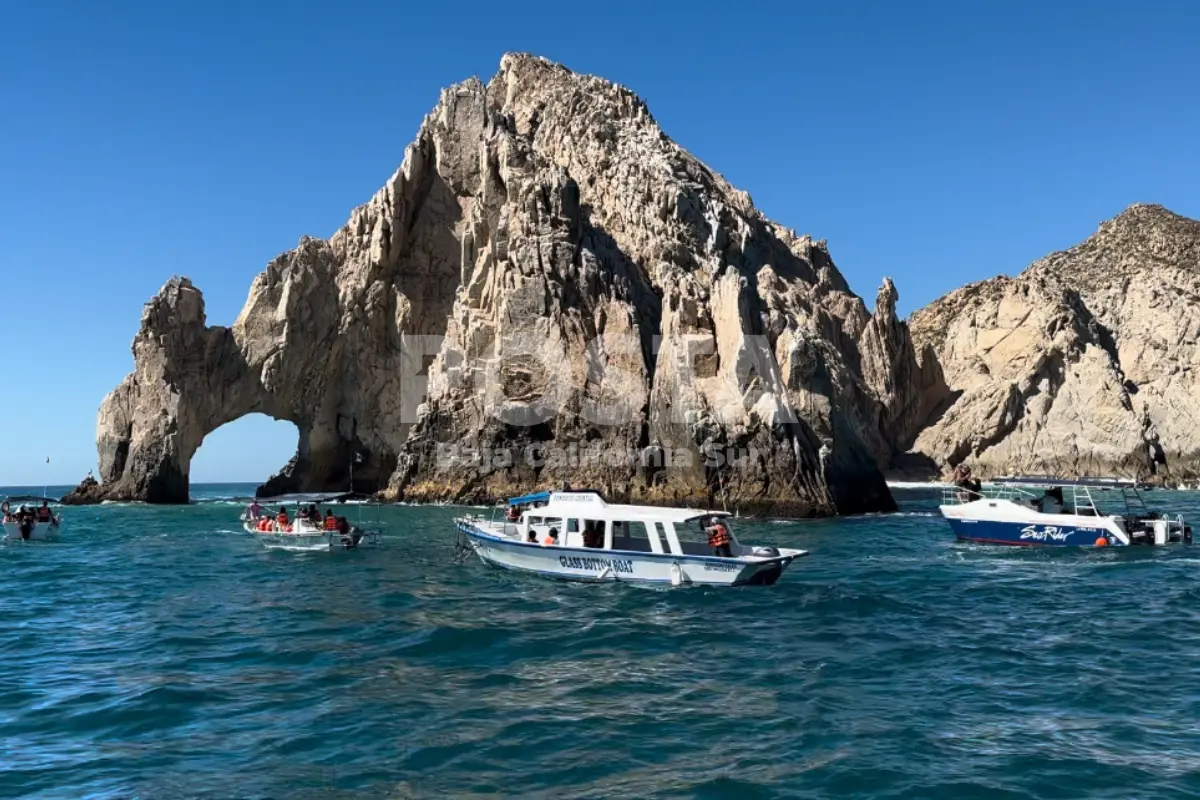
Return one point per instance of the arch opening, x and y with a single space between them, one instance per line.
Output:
243 454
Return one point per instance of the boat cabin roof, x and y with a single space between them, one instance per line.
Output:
589 505
1049 480
309 499
26 499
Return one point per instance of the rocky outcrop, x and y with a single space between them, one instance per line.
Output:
1086 363
548 290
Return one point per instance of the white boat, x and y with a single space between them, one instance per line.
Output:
303 535
644 544
1059 512
22 522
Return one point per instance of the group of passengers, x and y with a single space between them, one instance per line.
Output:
42 514
312 515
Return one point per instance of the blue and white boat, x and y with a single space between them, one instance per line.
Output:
1059 512
576 535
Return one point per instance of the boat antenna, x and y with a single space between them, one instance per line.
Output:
46 480
721 483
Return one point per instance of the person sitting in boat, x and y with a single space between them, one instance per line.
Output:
331 523
514 513
44 514
551 538
314 513
282 519
718 538
1052 501
963 480
593 533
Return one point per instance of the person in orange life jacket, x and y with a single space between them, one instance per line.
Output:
330 520
718 538
552 538
44 514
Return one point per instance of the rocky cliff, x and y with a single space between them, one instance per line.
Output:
548 290
1088 362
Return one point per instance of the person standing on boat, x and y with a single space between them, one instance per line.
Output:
44 514
718 538
331 523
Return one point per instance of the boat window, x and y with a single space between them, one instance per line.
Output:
594 533
634 536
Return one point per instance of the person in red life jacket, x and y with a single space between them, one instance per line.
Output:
552 539
331 523
44 514
718 538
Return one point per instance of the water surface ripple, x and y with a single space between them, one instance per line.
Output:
159 653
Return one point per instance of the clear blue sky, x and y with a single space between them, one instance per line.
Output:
933 142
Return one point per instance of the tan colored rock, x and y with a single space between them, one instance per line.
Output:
549 290
1084 364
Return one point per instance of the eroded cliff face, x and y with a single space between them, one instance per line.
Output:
1086 363
549 290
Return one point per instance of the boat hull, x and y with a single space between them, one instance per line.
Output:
314 541
583 564
41 532
1028 534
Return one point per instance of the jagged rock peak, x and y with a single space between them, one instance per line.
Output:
1083 363
546 269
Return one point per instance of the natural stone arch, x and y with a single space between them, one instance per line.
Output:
190 379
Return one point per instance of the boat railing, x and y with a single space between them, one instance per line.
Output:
954 495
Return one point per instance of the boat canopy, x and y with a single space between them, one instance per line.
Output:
526 499
1049 480
30 498
589 505
288 499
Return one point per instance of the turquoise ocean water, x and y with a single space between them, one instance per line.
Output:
160 653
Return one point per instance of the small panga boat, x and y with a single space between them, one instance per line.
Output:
302 534
20 518
547 533
1059 512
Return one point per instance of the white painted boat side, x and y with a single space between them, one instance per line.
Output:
307 538
42 531
586 564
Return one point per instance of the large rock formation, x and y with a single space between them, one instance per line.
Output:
1086 363
548 290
